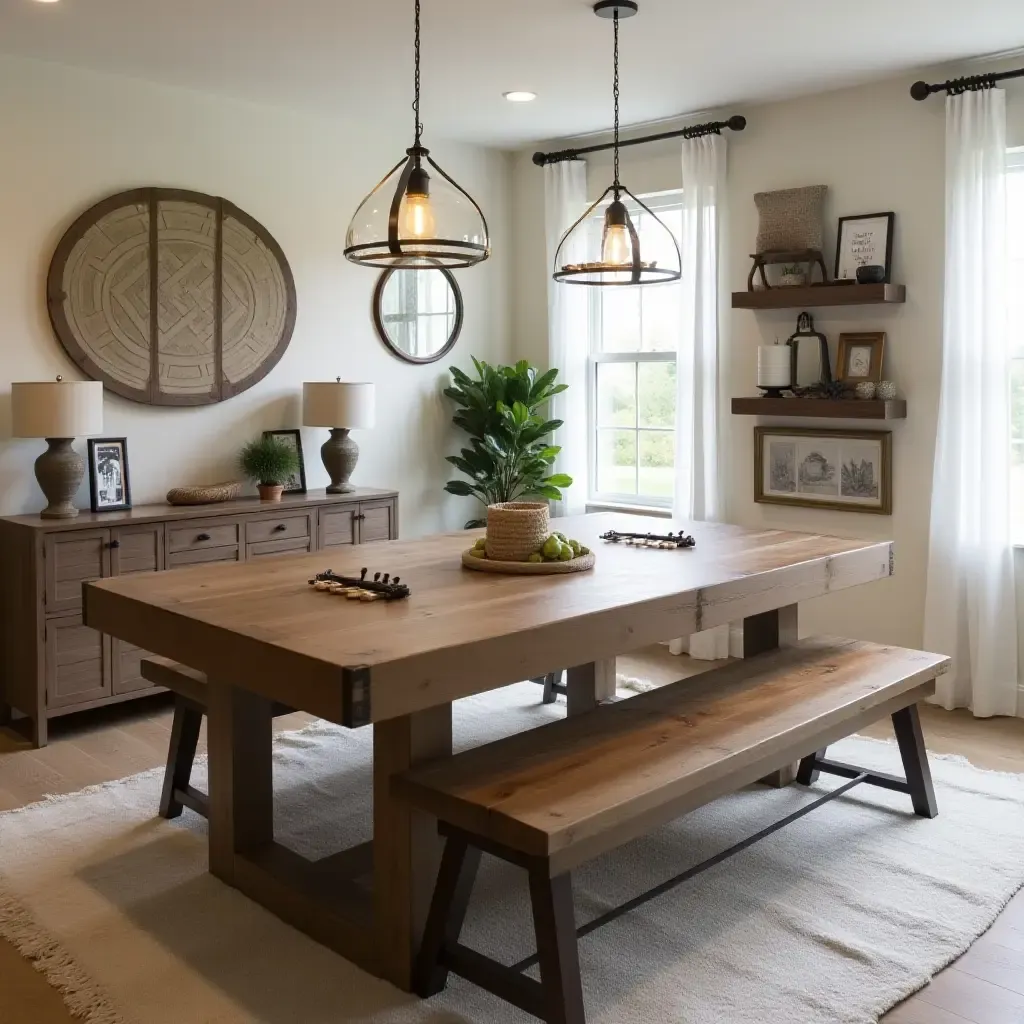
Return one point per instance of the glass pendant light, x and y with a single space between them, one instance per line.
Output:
619 259
413 219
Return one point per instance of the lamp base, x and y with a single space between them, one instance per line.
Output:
340 454
59 471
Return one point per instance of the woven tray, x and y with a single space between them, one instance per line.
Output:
581 564
210 494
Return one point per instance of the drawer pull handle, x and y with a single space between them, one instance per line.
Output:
361 516
203 536
114 544
280 528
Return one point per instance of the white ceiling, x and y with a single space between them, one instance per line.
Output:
354 56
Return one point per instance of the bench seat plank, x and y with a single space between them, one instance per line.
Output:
188 682
577 787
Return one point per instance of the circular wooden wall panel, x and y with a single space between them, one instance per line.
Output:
225 304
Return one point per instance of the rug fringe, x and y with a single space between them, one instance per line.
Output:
81 995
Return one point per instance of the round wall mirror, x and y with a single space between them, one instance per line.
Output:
418 313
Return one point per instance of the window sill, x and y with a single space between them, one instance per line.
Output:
637 510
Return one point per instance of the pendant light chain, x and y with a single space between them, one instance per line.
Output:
616 94
416 94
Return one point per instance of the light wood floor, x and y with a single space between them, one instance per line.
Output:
985 986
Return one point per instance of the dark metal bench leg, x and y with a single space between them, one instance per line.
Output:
459 864
807 774
555 924
907 724
188 720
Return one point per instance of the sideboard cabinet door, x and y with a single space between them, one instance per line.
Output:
338 526
377 521
76 658
133 549
70 559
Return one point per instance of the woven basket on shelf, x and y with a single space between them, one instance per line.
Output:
516 529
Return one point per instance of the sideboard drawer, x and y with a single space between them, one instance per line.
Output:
197 556
71 559
295 546
214 533
295 526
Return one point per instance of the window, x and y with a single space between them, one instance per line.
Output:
632 400
1015 225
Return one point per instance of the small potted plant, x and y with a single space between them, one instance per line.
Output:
268 463
793 276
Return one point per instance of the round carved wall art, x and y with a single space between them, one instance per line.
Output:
171 297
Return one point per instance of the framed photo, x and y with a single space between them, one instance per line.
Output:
293 438
864 241
109 487
860 357
847 470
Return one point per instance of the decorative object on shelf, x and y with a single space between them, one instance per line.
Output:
865 240
58 411
871 273
825 389
109 483
296 483
668 541
793 276
509 455
860 357
810 258
620 260
209 494
268 463
413 220
809 360
380 588
342 406
833 469
886 390
790 219
865 389
774 369
418 313
171 297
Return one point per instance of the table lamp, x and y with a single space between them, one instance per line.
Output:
60 411
342 407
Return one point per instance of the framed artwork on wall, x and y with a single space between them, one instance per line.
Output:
860 357
864 241
293 438
845 470
109 486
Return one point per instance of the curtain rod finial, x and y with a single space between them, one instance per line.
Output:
737 122
540 159
920 90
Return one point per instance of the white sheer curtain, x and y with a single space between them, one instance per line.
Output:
697 480
565 199
969 609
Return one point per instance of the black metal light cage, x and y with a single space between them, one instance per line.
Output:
634 271
376 236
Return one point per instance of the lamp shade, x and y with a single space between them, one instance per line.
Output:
338 404
57 408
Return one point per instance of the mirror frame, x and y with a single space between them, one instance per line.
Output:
378 320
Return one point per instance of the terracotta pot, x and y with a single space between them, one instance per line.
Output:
270 492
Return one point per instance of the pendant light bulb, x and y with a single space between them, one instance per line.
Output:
617 249
417 216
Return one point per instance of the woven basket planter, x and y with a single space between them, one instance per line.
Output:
516 529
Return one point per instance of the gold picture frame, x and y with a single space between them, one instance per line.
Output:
841 470
860 357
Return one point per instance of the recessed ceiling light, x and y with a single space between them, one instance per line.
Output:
520 96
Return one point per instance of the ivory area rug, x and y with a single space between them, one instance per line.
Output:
831 921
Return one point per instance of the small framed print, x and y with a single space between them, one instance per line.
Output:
843 470
864 241
860 357
296 484
109 486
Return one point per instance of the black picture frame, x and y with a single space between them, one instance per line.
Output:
289 436
98 450
890 218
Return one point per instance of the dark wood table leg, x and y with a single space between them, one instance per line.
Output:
907 724
555 924
589 685
188 720
406 844
239 731
763 633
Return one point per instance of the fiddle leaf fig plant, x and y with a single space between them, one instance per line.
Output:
509 454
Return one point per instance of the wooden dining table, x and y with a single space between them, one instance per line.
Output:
263 635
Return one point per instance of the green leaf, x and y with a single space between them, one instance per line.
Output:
459 487
546 491
559 480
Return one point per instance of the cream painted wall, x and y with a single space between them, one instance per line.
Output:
69 138
876 149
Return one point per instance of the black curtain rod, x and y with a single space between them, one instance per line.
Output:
736 123
956 86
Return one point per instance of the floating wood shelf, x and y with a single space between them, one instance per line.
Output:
825 408
819 295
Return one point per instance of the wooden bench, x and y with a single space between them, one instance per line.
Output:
190 703
557 796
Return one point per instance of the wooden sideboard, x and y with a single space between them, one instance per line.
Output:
51 664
